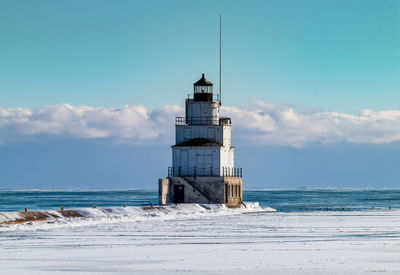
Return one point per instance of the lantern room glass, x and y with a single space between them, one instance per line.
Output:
203 89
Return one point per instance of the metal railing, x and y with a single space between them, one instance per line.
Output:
224 121
204 172
215 97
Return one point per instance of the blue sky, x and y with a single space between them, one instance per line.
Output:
312 87
333 55
93 164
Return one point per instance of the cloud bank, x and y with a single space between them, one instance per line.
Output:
129 123
259 123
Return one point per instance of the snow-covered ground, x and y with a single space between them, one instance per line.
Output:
192 239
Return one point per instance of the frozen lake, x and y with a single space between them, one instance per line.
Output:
190 239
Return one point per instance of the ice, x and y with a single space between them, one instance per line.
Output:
101 215
205 239
10 216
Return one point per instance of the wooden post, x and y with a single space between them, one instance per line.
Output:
26 209
62 208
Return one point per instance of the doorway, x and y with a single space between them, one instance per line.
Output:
179 194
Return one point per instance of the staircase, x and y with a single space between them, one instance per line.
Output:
197 187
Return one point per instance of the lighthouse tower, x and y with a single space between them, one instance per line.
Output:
202 168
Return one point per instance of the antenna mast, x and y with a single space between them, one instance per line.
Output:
220 36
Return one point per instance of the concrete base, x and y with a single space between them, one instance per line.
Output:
217 190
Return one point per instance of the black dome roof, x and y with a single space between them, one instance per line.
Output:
203 82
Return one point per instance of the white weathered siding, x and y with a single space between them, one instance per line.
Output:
206 160
216 133
197 111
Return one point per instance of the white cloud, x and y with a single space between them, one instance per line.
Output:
276 124
130 123
261 123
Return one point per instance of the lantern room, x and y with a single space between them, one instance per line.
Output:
203 90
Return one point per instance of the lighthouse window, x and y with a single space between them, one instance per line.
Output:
202 89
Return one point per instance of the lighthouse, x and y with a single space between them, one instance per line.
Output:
203 169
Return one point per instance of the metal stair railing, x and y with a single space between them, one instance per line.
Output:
203 171
198 188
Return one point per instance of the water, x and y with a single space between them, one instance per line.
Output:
296 200
326 199
42 200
